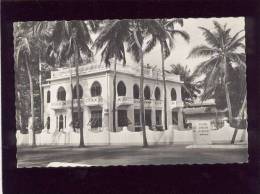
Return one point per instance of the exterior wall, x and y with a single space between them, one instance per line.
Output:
105 137
105 78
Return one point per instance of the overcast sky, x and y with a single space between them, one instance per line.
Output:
180 52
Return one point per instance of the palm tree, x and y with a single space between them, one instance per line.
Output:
190 88
221 49
165 35
70 39
135 44
142 29
23 54
111 41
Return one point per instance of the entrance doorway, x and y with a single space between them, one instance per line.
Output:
148 117
78 122
61 122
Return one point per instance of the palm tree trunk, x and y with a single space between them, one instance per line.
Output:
40 85
227 91
145 144
239 116
32 101
114 97
164 88
71 87
81 141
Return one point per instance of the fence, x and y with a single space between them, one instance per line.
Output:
105 137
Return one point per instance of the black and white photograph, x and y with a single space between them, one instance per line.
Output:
121 92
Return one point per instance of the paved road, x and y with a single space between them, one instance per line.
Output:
127 155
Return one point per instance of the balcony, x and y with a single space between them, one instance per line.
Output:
66 104
60 105
123 100
158 103
176 104
148 103
94 101
75 102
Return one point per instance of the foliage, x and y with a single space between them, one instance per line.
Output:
190 88
221 50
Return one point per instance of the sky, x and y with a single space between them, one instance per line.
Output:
182 48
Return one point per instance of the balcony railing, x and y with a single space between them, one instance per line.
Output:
148 103
94 68
75 102
123 100
158 103
59 104
94 101
175 104
66 104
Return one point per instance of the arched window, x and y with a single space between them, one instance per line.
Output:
147 94
121 89
95 89
173 94
157 94
48 122
60 122
136 91
48 96
61 93
75 92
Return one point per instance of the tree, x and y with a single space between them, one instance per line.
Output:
164 32
24 53
190 88
111 41
69 40
220 49
135 43
142 29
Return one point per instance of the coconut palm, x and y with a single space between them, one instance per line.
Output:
142 29
71 39
24 53
111 41
190 88
165 34
221 49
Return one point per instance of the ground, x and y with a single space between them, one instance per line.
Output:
127 155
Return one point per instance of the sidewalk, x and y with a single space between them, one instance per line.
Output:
219 146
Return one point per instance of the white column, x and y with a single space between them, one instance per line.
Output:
130 115
153 116
180 119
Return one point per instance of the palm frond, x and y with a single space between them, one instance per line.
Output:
236 44
239 58
166 49
210 37
133 47
181 33
205 66
202 51
150 44
234 38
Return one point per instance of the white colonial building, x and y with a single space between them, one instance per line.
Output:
96 93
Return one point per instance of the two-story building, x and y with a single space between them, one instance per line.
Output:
96 94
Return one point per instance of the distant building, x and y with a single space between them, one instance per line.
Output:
96 93
204 111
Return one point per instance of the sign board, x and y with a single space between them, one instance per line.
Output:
201 132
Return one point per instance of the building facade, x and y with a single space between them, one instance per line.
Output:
96 98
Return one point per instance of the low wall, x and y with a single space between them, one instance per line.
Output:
224 134
105 137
